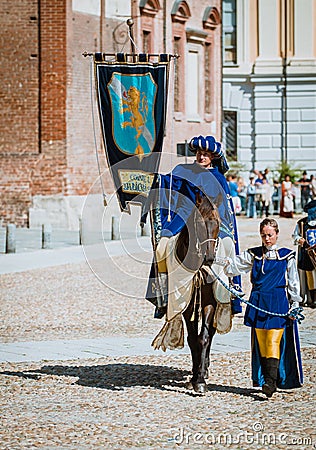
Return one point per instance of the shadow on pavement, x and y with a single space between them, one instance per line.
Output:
116 377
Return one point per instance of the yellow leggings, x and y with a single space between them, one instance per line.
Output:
269 342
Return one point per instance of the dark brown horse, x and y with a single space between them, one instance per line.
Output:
196 248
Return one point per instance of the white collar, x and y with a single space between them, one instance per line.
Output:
272 247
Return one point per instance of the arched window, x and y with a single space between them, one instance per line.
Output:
229 32
148 11
211 19
180 13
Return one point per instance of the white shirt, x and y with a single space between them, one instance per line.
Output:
243 263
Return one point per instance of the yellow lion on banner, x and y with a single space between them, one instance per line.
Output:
136 104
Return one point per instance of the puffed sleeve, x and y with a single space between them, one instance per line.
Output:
296 234
293 286
239 265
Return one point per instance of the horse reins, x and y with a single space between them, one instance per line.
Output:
296 313
210 239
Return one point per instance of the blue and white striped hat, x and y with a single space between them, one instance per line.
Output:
208 144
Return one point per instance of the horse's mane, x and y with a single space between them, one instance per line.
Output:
202 226
207 208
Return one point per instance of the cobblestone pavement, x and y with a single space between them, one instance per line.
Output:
133 401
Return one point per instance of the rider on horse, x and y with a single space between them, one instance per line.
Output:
170 214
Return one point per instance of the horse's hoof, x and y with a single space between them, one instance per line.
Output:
189 385
200 388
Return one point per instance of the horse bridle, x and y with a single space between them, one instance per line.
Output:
211 239
200 243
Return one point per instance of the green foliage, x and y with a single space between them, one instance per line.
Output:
289 168
235 167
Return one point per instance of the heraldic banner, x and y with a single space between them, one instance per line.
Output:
132 98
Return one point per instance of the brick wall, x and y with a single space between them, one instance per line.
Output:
19 77
82 170
33 104
46 133
53 70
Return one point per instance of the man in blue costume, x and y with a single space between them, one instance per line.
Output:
175 200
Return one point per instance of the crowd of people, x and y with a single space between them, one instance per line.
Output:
263 196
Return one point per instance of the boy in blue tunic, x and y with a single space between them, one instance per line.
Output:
276 357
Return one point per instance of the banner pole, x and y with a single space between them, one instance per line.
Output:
130 23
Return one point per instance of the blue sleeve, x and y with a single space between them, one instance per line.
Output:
179 201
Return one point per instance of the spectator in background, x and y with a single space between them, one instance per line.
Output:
233 187
258 183
242 193
313 187
287 198
276 195
268 176
259 179
305 185
265 197
251 198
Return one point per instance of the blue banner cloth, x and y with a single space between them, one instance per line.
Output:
132 100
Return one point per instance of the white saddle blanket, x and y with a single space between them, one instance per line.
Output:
180 288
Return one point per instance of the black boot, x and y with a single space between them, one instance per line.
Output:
263 361
270 376
163 285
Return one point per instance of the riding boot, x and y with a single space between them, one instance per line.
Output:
263 361
313 299
163 287
270 376
236 306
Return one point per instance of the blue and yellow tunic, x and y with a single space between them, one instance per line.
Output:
275 283
275 286
269 289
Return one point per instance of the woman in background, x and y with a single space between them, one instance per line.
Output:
287 198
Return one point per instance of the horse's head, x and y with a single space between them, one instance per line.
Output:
207 225
197 242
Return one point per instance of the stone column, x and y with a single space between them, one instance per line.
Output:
10 243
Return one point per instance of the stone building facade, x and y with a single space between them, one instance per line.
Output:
269 80
47 142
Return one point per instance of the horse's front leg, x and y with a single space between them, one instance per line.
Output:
205 339
206 336
193 342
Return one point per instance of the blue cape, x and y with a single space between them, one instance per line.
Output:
177 194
